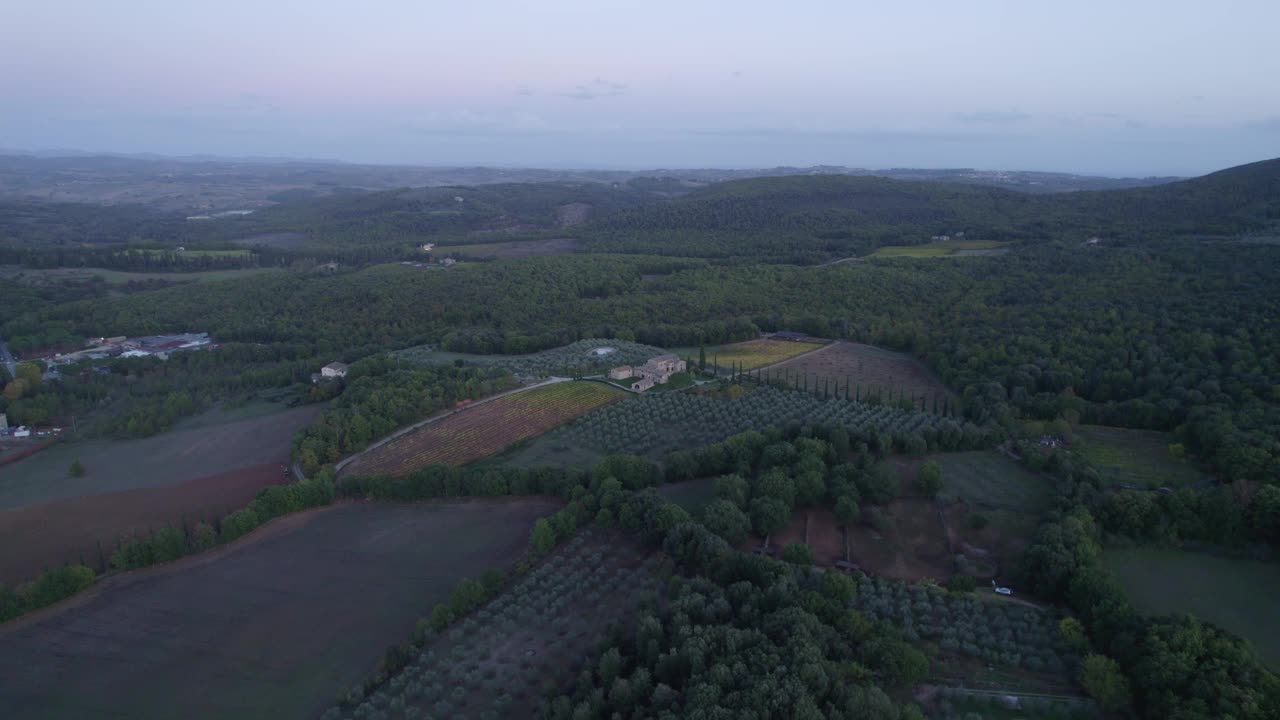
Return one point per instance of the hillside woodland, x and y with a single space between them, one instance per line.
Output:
1166 321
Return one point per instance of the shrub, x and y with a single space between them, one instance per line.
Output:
929 479
962 583
798 554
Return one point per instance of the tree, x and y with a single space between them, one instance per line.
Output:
727 520
961 583
1264 513
30 372
732 488
774 483
847 511
798 553
879 485
810 487
77 469
1073 634
543 537
929 479
1100 676
769 515
702 357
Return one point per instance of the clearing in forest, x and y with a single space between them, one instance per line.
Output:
592 356
751 354
1136 458
1240 595
483 430
944 248
511 249
985 478
871 371
273 626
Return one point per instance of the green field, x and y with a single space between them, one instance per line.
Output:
750 354
692 495
989 479
1242 596
1133 457
943 248
118 277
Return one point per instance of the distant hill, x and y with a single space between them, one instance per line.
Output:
210 184
1235 200
1230 201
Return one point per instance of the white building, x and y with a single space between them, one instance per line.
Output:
334 370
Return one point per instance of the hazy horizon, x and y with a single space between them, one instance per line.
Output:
1140 89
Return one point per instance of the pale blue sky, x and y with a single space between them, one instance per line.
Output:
1115 86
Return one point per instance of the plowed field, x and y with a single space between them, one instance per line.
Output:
485 429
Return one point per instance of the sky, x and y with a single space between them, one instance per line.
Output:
1114 87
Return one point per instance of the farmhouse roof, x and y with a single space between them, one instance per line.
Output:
336 367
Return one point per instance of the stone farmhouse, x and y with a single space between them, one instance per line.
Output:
657 371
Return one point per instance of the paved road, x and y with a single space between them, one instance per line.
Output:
7 358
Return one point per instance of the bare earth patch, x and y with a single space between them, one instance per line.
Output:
273 626
86 529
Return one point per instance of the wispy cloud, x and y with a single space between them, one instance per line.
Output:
597 88
992 117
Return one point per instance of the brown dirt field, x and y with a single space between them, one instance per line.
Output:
483 430
824 536
273 626
1005 538
86 529
873 368
166 459
914 548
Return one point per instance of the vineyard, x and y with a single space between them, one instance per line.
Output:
500 661
996 632
579 358
870 370
754 354
661 422
478 432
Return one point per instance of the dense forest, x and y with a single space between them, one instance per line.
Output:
1172 336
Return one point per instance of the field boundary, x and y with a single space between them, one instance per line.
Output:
436 418
27 453
114 578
